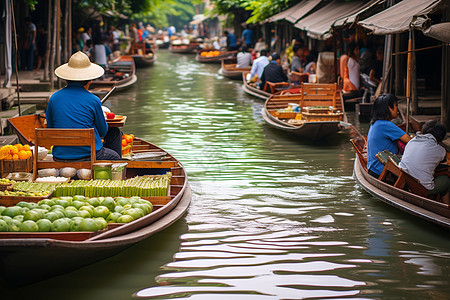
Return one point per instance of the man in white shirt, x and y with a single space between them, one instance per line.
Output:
259 64
423 154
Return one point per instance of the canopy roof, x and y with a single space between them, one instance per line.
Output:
295 12
400 17
318 24
439 31
349 19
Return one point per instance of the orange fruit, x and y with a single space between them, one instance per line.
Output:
124 143
23 154
26 147
15 156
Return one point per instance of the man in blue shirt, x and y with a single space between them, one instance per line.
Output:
248 37
231 41
75 107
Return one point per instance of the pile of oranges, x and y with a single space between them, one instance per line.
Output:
209 53
127 143
17 151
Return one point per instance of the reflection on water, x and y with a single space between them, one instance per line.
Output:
271 217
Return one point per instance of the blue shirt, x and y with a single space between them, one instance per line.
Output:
231 40
247 34
258 66
75 107
382 136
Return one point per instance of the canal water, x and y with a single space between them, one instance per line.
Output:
271 217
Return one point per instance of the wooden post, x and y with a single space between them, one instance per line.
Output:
69 29
445 81
47 69
398 81
414 97
58 36
408 80
53 45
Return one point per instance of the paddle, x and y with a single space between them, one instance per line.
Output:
107 95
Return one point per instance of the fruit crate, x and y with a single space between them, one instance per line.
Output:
17 165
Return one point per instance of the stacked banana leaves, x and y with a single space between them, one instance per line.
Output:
142 186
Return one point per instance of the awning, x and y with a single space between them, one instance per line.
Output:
318 24
439 31
349 19
198 19
400 17
295 12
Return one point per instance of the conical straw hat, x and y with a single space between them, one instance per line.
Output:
79 68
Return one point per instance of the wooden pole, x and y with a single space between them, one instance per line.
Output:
414 96
69 26
47 69
408 80
52 55
58 37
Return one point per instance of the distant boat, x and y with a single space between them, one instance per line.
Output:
184 49
320 115
144 60
121 74
213 56
229 69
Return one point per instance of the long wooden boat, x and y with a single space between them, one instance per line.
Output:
321 112
229 69
121 74
51 253
216 59
184 49
430 210
253 90
144 60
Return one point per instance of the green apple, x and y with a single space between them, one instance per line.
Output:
84 214
88 209
60 225
14 225
12 211
109 203
77 203
29 226
3 226
79 198
75 224
62 202
101 223
101 211
51 216
112 218
44 225
88 224
93 201
32 215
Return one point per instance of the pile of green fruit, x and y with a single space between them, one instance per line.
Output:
25 186
76 213
24 194
142 186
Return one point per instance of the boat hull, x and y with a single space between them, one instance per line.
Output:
253 91
215 59
44 258
311 130
421 207
184 50
141 61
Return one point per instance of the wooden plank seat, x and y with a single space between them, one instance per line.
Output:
404 179
318 94
47 137
272 87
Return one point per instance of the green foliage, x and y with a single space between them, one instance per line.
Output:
261 9
31 3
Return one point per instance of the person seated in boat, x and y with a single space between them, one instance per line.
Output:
296 65
423 154
75 107
258 66
273 72
244 58
383 134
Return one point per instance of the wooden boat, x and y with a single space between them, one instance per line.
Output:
121 74
35 256
253 90
144 60
321 111
229 70
184 49
430 210
213 59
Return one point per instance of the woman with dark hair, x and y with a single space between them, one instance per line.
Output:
423 154
383 134
352 70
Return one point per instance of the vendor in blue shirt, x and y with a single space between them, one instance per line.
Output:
231 41
75 107
383 134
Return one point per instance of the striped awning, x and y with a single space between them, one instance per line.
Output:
349 19
296 12
401 17
318 24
